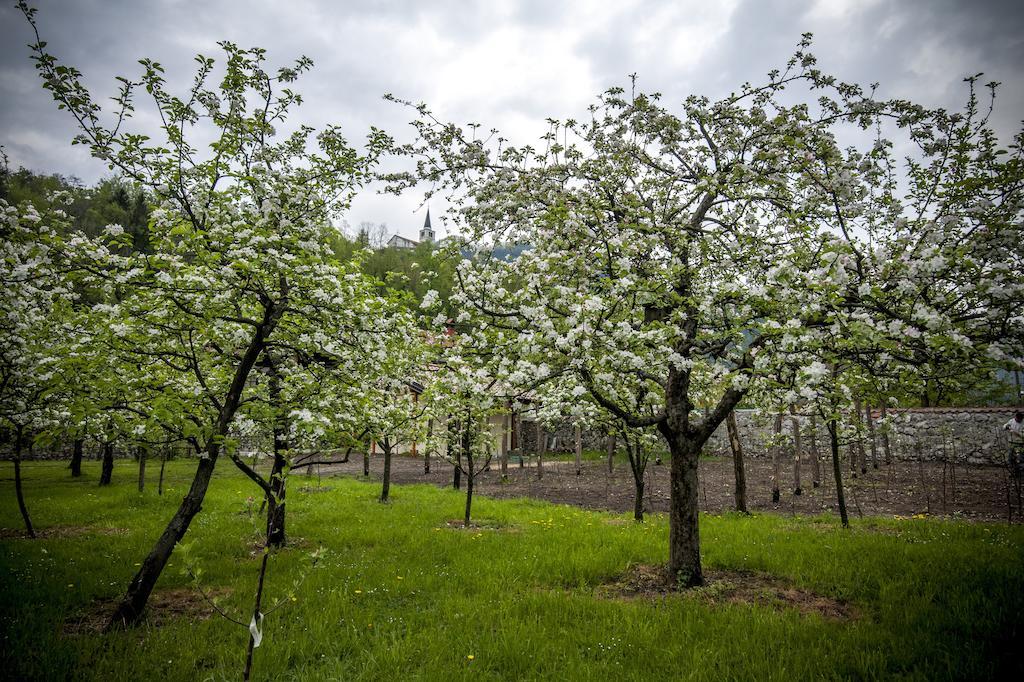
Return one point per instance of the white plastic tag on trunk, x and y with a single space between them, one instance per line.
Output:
254 630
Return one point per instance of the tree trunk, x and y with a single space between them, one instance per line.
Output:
505 428
142 468
257 617
861 453
579 450
386 486
275 497
684 498
638 501
18 440
107 470
797 490
426 446
276 527
129 611
837 470
470 475
853 456
76 458
638 466
872 442
451 448
611 452
886 445
740 492
21 498
457 472
542 446
366 458
776 458
813 450
163 462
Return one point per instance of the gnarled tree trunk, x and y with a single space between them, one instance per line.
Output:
684 532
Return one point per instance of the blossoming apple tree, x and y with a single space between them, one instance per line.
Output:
239 259
654 241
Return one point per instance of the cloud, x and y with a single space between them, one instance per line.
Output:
508 65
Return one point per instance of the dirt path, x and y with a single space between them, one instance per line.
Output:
904 488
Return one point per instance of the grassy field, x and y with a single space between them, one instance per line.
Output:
401 595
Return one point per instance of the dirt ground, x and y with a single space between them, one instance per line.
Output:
973 492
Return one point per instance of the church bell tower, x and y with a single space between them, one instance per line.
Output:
427 232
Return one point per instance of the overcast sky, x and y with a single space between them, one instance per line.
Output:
502 63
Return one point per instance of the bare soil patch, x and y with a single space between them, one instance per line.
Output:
60 532
165 607
904 488
728 587
254 548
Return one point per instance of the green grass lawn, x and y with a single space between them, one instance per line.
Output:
399 595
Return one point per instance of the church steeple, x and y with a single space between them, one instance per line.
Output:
427 232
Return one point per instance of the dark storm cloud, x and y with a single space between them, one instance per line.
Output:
507 64
916 49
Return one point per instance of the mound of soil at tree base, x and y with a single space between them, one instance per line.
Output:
164 608
254 548
727 587
972 491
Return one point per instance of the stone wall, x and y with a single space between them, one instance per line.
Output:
975 435
561 437
972 434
